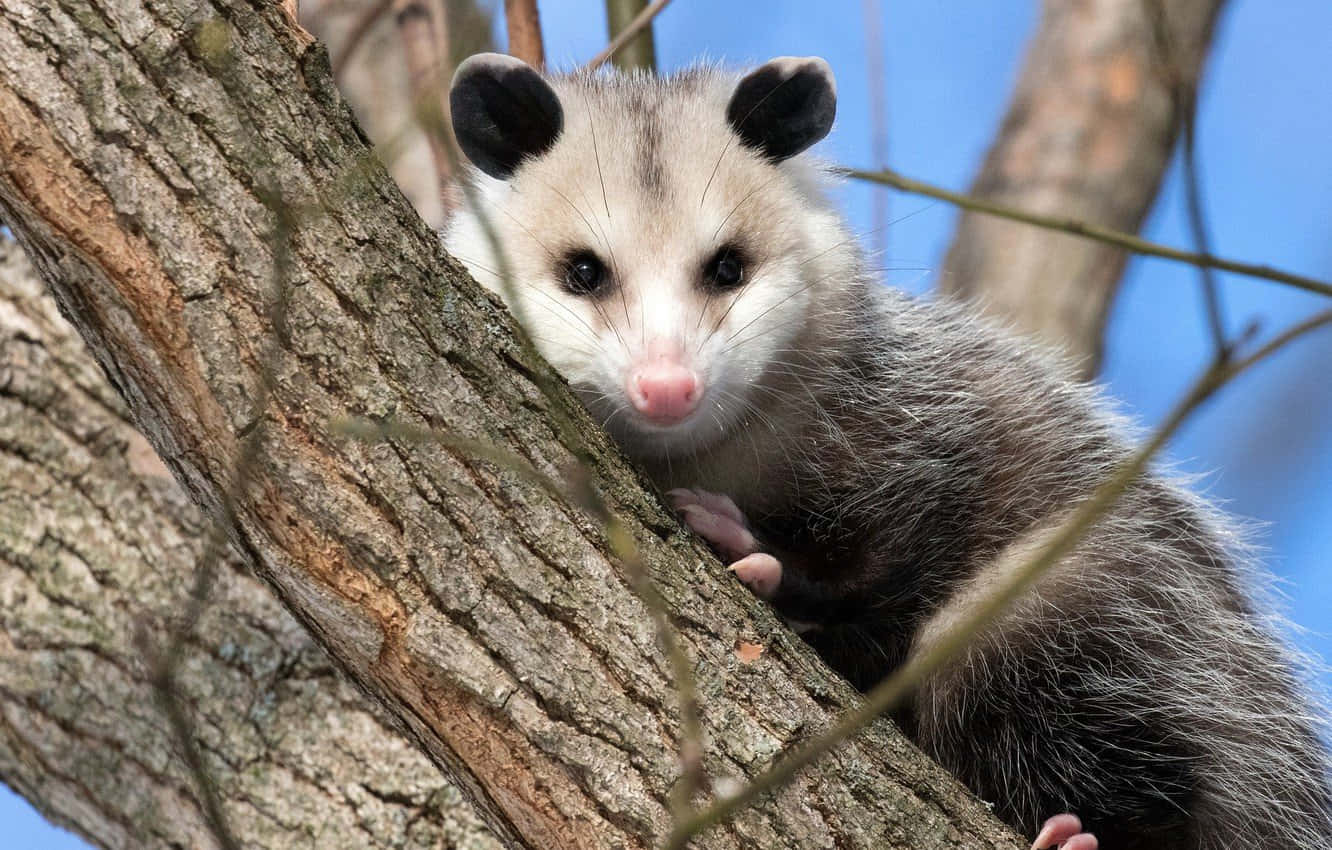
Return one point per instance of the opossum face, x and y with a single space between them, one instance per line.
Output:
662 246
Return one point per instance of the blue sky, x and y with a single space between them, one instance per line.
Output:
1264 447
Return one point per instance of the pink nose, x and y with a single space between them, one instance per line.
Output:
664 391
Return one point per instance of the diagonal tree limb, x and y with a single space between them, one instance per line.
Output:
490 618
97 544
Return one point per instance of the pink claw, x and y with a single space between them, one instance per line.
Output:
761 573
1065 832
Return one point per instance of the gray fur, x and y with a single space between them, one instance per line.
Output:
898 456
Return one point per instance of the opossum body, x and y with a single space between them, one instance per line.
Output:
874 463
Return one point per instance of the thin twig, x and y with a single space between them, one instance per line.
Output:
1119 239
889 693
692 776
1201 241
163 664
524 26
639 25
381 430
1185 97
356 35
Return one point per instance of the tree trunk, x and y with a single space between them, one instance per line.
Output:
1088 135
97 545
142 148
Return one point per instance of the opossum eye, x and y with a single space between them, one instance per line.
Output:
726 269
584 274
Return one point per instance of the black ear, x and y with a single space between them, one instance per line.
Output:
502 111
784 106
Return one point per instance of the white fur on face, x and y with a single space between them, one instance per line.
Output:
650 178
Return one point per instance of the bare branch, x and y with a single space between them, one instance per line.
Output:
524 25
630 26
1094 232
429 69
248 456
1184 91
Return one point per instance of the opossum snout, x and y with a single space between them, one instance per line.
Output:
663 390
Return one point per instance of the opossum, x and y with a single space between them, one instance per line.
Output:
872 463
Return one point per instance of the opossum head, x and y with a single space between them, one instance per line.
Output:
662 240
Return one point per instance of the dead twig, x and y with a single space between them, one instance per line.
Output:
163 663
1185 95
1072 226
629 21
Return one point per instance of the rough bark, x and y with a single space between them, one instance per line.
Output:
97 547
1088 135
141 148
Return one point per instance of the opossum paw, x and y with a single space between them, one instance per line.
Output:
1064 832
716 519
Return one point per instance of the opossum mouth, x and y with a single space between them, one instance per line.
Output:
640 437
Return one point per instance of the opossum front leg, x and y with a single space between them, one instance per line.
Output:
715 518
1064 832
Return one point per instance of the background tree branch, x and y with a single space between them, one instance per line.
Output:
524 25
488 617
630 16
377 82
1088 135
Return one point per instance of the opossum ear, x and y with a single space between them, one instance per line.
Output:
784 106
503 111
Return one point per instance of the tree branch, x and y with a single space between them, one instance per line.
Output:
631 19
641 22
98 544
492 619
524 25
1095 233
1087 136
1184 89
